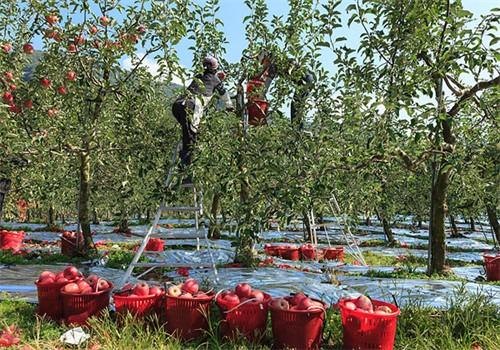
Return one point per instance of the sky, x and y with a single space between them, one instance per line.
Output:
232 13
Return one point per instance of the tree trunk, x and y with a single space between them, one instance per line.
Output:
387 227
123 226
51 218
84 203
214 229
368 220
454 228
4 189
437 226
148 215
420 224
307 226
472 225
493 219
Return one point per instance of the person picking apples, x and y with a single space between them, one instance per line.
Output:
188 108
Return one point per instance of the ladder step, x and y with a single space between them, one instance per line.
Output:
166 264
165 208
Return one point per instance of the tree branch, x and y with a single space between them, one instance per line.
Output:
467 94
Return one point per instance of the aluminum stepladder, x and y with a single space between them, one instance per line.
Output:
201 231
343 226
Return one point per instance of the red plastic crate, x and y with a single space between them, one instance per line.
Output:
138 306
271 250
290 253
334 254
69 246
297 329
248 319
368 331
187 318
77 308
492 267
308 252
155 245
11 240
50 301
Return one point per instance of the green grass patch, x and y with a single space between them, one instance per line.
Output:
35 258
405 273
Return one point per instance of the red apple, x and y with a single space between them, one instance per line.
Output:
52 112
6 47
47 280
9 76
243 290
15 108
104 21
187 296
46 83
257 295
364 303
71 288
155 290
79 40
62 90
383 309
174 291
12 87
51 19
280 303
141 289
92 280
7 97
62 280
297 298
46 274
59 275
72 48
190 286
305 304
28 49
86 290
83 285
141 29
71 76
71 272
28 104
102 285
93 30
231 298
350 306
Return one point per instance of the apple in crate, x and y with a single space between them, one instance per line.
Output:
190 286
71 288
102 285
257 295
383 310
71 273
187 296
231 298
297 298
280 303
155 290
243 290
45 275
174 291
350 305
141 289
364 303
92 280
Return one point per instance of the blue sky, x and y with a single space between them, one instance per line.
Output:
232 12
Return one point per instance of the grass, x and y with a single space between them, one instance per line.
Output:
469 320
405 273
7 258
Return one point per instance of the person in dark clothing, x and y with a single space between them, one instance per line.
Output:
188 108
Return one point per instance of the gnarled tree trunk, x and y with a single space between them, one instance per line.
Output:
454 228
493 219
214 229
4 189
472 224
84 202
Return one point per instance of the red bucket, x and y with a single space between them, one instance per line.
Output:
291 253
257 111
248 319
50 301
11 240
70 245
297 329
492 266
308 252
187 319
138 306
155 245
368 331
77 308
271 250
334 254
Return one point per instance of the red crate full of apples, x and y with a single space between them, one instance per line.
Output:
70 243
244 311
49 286
140 299
297 322
85 298
12 240
368 324
187 310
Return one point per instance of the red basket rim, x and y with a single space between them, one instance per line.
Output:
91 294
313 311
211 295
221 302
490 258
394 314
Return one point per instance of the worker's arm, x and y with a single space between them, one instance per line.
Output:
224 95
